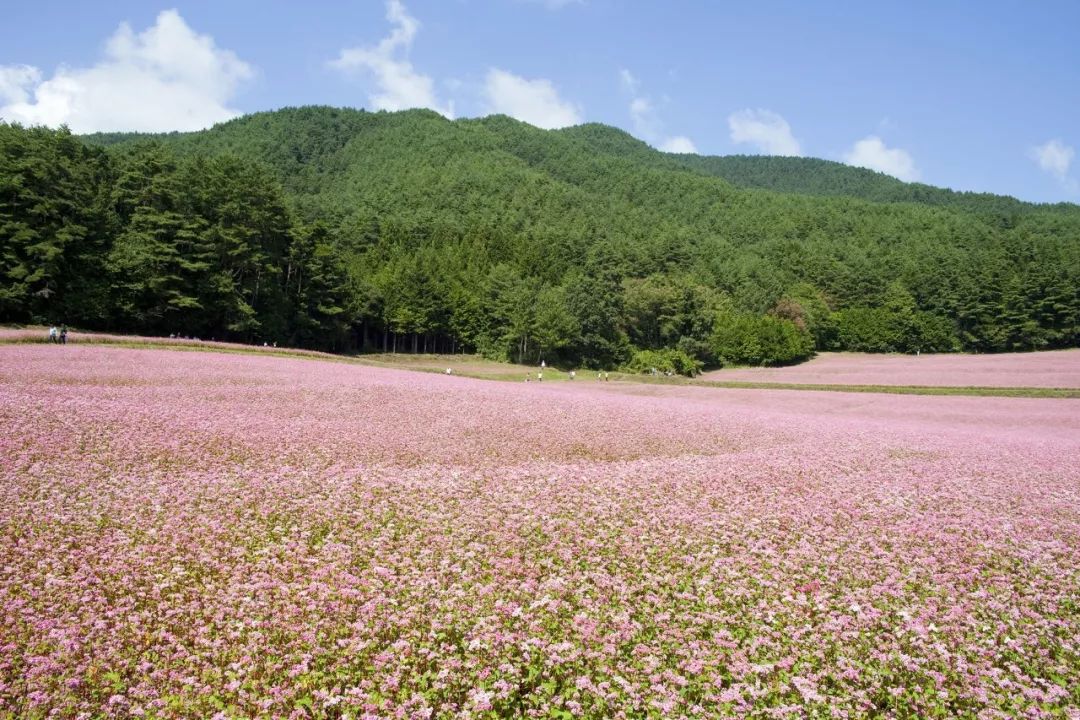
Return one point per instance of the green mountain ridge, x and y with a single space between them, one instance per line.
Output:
583 243
793 175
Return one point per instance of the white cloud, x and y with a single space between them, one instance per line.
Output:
1054 157
887 124
678 144
400 86
536 102
15 81
646 122
766 130
167 77
871 152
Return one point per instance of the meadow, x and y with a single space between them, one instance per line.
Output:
224 535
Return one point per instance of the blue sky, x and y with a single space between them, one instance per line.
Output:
978 96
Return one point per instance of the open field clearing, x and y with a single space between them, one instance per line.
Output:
467 365
240 536
37 335
1065 370
1050 369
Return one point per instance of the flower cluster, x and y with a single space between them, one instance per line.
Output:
233 536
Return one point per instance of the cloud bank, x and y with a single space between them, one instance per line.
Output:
167 77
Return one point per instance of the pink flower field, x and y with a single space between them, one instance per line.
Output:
1051 369
206 535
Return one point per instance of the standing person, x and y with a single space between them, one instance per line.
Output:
572 374
540 376
543 364
52 334
63 334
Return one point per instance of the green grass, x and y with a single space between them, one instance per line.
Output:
474 366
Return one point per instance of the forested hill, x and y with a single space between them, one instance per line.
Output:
334 128
583 244
813 176
302 144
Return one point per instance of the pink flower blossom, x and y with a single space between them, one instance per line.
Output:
290 537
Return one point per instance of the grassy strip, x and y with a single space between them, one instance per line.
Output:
977 391
506 373
968 390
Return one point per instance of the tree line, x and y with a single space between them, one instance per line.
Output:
145 242
348 231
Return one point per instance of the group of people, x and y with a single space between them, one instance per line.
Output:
602 375
58 335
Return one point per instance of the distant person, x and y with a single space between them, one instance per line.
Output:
52 334
540 376
63 334
543 364
449 371
572 374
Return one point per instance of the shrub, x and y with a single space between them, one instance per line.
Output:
666 360
746 339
